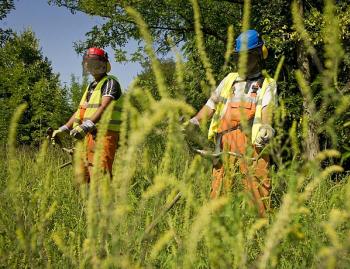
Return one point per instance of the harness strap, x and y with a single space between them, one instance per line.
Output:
220 135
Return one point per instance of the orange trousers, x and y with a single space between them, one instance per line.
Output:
110 144
255 173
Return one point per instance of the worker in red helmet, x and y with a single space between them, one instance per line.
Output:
100 93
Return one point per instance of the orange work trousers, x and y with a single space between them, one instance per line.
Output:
255 173
110 143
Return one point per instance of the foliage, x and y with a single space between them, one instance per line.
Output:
76 90
27 77
5 8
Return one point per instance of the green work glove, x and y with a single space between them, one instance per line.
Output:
80 131
265 134
57 134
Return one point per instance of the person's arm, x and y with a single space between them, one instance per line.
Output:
70 122
266 115
208 110
204 114
266 132
268 103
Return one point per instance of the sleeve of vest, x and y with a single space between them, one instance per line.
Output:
215 96
270 95
111 88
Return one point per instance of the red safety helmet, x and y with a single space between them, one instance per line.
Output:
95 61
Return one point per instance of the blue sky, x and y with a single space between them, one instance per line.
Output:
57 29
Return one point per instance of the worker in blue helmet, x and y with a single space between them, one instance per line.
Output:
251 43
243 94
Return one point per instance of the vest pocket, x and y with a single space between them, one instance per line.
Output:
246 105
237 110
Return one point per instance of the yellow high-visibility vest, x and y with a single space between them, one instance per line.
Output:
95 102
225 95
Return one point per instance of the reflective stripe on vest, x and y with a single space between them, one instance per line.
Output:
95 102
243 99
226 95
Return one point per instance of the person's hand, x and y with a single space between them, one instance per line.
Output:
57 134
194 121
191 126
194 135
80 131
265 134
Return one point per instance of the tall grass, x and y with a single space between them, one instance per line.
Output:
47 220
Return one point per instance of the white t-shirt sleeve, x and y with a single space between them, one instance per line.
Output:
270 95
215 96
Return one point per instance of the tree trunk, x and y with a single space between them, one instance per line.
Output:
311 141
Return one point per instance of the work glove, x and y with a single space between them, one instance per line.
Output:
191 127
194 121
57 134
265 134
81 131
194 135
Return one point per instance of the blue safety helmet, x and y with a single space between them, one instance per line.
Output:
252 39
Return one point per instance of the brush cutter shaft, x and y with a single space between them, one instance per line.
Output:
207 153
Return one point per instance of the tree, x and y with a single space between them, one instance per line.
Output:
5 7
146 79
164 18
311 143
174 19
27 77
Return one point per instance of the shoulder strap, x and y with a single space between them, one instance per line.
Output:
224 96
228 82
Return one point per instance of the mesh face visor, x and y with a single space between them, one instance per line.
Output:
255 61
94 65
251 55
